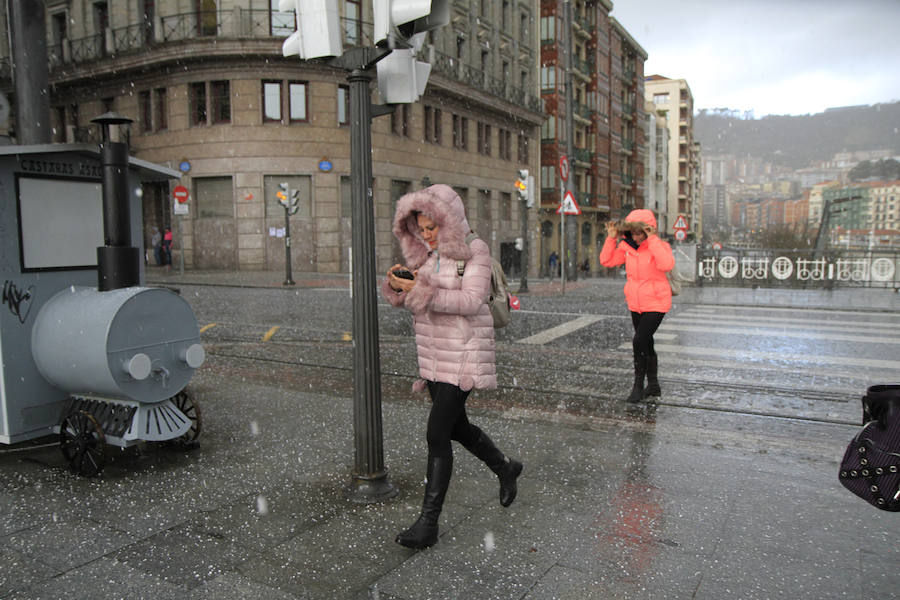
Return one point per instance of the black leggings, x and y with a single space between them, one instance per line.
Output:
448 420
645 325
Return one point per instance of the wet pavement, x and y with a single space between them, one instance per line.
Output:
654 501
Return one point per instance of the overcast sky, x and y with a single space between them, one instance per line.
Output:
783 57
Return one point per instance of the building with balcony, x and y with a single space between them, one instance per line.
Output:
211 94
673 96
607 166
657 167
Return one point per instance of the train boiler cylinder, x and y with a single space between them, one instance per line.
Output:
135 343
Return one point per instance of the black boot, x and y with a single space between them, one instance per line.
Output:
640 369
424 532
652 388
507 470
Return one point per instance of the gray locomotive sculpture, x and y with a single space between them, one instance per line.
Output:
97 364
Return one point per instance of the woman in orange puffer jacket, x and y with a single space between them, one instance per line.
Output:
454 340
647 259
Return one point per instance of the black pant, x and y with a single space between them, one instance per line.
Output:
645 325
448 420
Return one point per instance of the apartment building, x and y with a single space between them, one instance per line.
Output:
212 96
656 170
607 166
674 98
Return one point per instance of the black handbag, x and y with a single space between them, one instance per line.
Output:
871 465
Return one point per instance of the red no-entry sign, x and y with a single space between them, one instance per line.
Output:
181 193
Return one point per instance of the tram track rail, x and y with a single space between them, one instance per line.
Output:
594 393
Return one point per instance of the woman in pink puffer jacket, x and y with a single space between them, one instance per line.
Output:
454 340
647 259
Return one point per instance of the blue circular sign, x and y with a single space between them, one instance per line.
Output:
185 166
325 165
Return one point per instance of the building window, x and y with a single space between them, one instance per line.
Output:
162 106
400 120
523 152
208 18
432 125
661 98
346 197
60 133
271 101
145 111
505 139
281 24
221 101
483 210
214 197
460 133
548 78
301 183
343 104
548 28
352 22
198 103
298 101
506 206
484 139
523 27
548 129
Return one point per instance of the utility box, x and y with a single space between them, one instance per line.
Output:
51 225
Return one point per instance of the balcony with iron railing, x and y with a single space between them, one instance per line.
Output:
256 24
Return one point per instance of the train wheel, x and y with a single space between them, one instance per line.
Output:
185 403
83 443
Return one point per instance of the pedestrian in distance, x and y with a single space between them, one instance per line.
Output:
155 241
553 261
635 243
454 339
167 248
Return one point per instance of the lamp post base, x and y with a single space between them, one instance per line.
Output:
369 490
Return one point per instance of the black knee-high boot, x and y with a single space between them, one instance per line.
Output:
652 388
507 470
424 532
640 370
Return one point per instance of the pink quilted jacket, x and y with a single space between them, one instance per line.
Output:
453 323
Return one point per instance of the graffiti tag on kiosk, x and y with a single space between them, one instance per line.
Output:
18 301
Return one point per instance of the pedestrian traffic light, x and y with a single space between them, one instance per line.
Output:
318 31
396 21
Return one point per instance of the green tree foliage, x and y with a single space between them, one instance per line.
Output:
785 238
887 169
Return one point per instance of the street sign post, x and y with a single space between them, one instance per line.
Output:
569 206
181 194
564 167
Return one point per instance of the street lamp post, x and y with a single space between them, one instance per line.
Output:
370 481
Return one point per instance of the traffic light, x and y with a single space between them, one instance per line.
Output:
318 31
401 77
521 184
288 198
396 21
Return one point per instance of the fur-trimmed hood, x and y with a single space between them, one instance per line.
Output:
642 216
443 206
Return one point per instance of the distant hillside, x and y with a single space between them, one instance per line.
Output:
797 142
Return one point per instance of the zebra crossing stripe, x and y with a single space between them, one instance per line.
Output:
892 365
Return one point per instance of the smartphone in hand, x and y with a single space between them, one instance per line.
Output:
404 274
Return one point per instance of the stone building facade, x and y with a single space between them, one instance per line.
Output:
211 95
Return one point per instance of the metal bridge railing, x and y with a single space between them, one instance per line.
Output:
800 268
